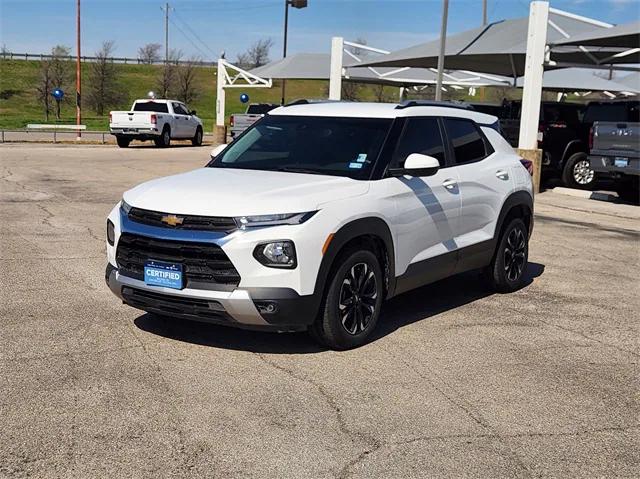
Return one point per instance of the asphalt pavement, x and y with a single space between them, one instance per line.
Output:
459 382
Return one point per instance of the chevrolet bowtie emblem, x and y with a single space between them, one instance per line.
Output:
172 220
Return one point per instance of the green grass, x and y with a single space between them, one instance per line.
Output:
19 105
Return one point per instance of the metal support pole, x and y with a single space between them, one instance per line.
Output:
484 13
443 38
534 68
284 49
78 73
220 131
335 73
166 32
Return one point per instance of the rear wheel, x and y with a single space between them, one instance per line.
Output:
506 271
123 142
577 172
197 139
164 140
351 306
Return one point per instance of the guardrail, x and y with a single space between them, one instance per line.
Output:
126 60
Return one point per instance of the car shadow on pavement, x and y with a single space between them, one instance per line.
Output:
408 308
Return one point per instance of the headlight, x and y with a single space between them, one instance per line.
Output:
245 222
111 235
276 254
125 207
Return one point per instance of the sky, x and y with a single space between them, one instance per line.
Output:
204 28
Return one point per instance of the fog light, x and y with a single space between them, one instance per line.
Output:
266 307
111 235
277 254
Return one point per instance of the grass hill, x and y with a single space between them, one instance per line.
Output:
19 104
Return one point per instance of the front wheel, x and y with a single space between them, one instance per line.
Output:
352 303
577 172
507 270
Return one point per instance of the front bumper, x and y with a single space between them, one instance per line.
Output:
275 309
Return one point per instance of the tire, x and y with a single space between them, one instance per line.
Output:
629 190
351 305
197 139
506 273
577 172
123 142
164 140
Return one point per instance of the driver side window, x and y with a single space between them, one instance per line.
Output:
420 135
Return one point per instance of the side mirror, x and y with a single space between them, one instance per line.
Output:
417 164
193 112
217 150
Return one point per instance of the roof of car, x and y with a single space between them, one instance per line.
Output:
381 110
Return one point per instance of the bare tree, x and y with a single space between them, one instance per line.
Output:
351 90
103 90
60 71
186 90
256 55
166 84
45 87
380 93
149 53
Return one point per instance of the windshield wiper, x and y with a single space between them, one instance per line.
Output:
295 169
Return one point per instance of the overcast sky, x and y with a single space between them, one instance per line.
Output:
204 28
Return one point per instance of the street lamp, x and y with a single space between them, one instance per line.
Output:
294 4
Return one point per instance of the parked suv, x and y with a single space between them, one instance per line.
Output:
319 212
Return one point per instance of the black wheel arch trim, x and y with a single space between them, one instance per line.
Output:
518 198
369 226
573 147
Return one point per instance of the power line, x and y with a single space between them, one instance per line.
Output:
197 37
206 55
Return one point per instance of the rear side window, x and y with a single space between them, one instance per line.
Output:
420 135
151 106
179 109
466 140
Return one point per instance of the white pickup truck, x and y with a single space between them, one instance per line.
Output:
242 121
157 120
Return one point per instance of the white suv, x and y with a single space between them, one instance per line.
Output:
320 211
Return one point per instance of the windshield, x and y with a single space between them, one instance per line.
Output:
303 144
151 106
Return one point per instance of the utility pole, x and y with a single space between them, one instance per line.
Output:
284 49
78 72
443 38
484 13
166 32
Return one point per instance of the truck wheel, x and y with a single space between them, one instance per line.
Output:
506 271
123 142
197 139
352 303
577 172
164 140
629 190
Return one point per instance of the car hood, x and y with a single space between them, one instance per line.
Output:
236 192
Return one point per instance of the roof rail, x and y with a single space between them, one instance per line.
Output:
445 104
309 101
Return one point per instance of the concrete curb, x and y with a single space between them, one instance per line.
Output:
590 195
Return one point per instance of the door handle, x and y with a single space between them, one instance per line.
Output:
449 183
502 174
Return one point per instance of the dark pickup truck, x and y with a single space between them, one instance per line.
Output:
615 152
563 133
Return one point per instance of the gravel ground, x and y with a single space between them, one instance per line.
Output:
459 381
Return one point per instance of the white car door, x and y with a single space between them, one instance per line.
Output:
484 180
427 208
181 121
192 122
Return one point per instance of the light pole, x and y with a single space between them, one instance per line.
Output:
294 4
78 74
443 39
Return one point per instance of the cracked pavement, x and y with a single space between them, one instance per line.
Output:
458 382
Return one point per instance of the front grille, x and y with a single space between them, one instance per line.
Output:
204 264
177 305
189 222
